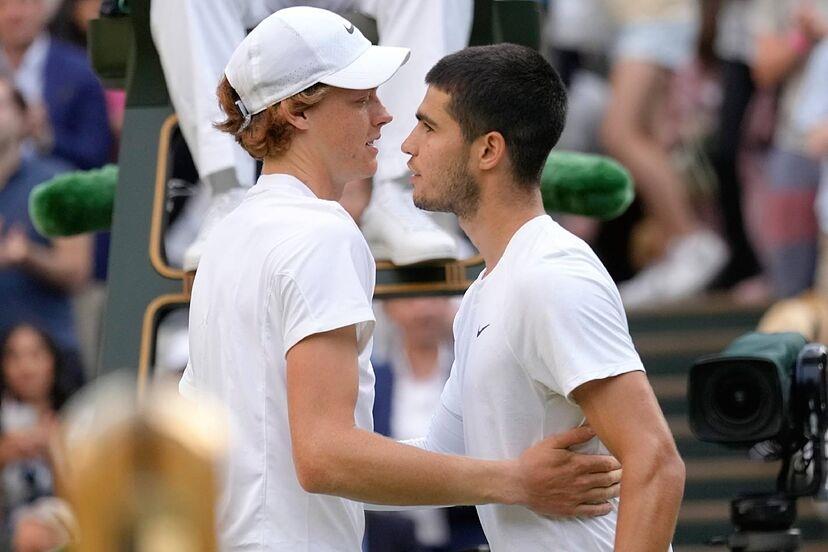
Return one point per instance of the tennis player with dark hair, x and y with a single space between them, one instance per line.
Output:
281 321
541 338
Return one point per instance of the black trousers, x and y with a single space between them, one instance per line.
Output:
737 89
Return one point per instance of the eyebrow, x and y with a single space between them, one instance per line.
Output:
426 119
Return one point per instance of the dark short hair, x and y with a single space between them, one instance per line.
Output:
510 89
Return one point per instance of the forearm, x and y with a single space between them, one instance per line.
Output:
367 467
650 498
58 270
775 58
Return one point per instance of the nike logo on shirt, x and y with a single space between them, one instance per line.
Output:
480 331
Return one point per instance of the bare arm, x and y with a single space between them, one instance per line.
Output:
779 54
775 58
66 265
625 415
333 456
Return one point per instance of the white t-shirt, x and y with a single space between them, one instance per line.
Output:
284 265
545 320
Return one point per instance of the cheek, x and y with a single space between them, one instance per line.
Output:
13 375
44 368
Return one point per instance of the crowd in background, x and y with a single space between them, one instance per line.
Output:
719 109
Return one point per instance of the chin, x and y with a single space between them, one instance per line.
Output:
370 170
420 201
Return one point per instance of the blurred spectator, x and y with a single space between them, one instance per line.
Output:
653 39
71 23
412 360
785 32
37 276
67 102
578 33
812 118
33 387
734 48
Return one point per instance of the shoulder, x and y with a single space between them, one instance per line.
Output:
68 60
332 225
558 266
315 239
69 55
563 286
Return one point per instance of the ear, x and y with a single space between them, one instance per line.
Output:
490 150
295 117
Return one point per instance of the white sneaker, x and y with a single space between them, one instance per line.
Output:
691 262
220 206
398 231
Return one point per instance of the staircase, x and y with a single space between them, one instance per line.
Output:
669 341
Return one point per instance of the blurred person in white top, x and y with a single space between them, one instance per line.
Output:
541 338
653 39
195 38
281 322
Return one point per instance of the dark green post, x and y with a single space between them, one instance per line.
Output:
133 281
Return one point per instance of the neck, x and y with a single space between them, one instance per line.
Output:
311 174
14 54
44 406
9 162
501 213
423 360
302 162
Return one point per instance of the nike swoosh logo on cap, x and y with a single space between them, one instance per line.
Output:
350 28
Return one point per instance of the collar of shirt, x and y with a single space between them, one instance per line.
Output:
31 74
284 183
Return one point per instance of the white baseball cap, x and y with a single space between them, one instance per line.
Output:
297 47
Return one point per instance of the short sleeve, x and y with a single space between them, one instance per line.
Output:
327 284
572 327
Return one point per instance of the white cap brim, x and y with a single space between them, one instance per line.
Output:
375 66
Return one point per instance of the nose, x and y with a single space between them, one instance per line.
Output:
407 146
381 116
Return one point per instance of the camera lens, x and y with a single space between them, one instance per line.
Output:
737 400
740 402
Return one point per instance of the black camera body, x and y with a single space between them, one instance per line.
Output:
769 389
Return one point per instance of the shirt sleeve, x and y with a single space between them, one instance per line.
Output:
572 329
329 285
445 433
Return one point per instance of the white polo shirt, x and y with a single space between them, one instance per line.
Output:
545 320
282 266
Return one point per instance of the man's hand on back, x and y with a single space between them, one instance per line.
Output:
557 482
